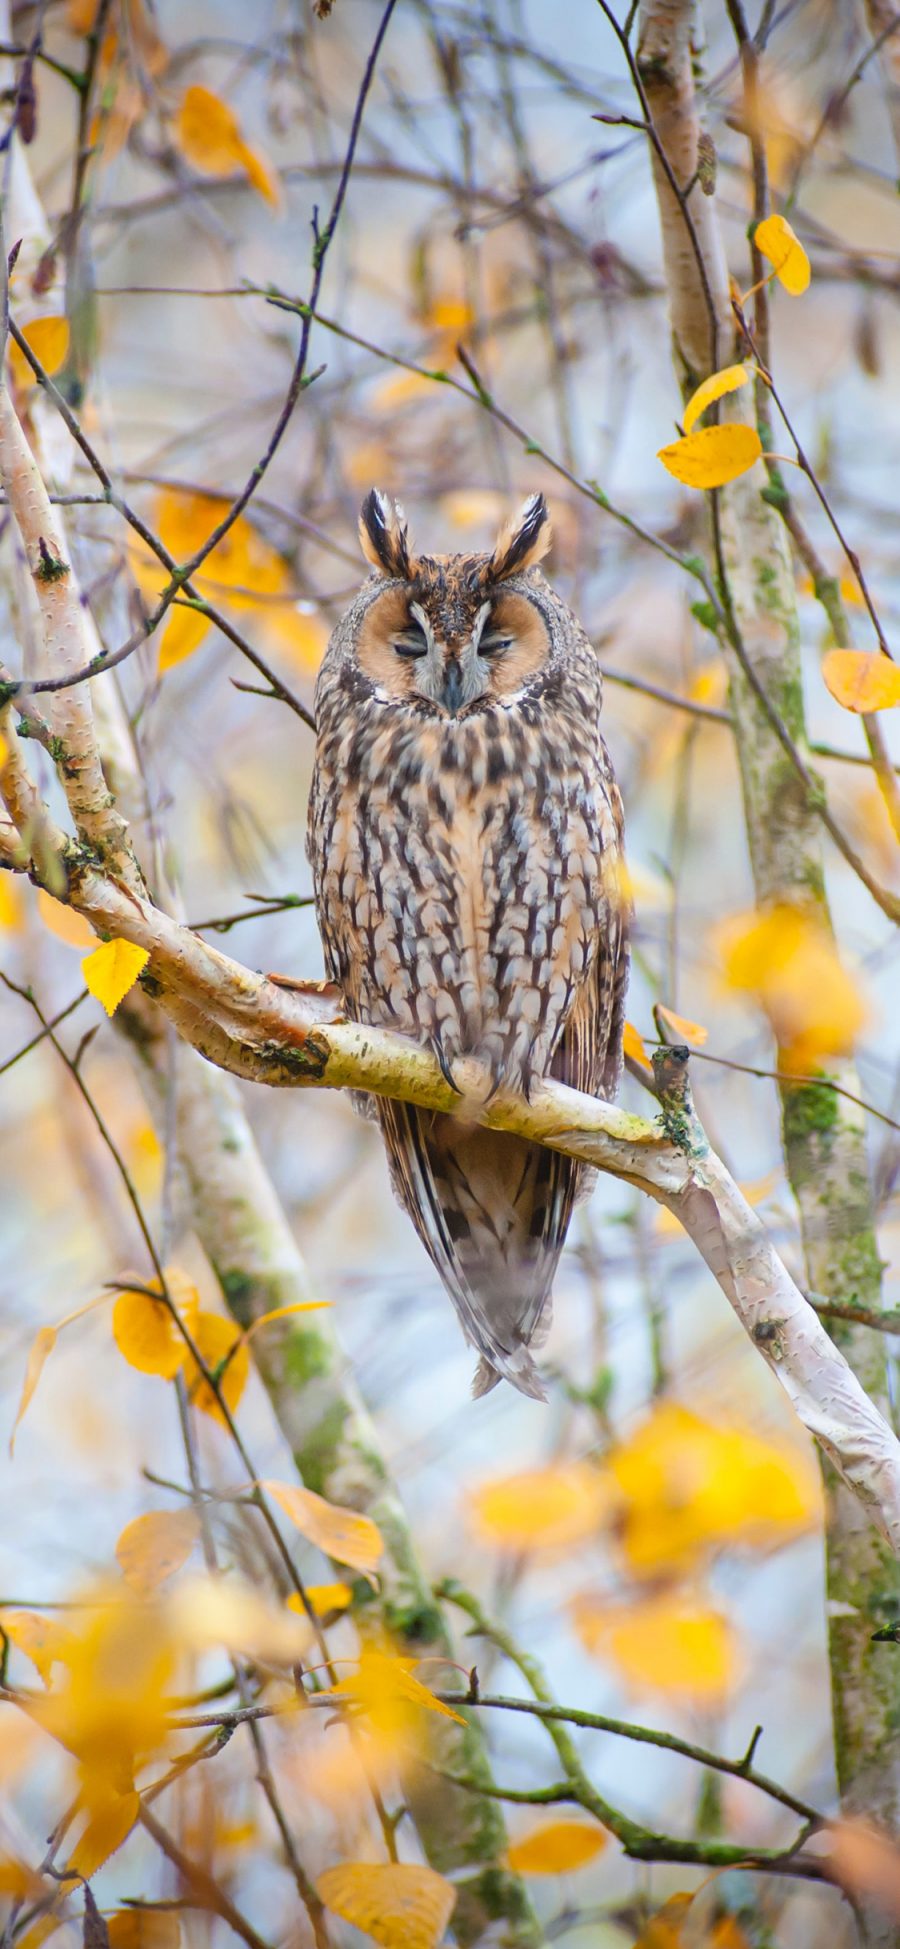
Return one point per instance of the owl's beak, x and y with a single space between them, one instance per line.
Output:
452 688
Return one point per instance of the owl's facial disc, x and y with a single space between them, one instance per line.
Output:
409 652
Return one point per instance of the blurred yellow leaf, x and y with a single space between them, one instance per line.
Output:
776 241
709 684
633 1046
340 1533
789 965
687 1486
474 508
146 1333
19 1881
401 1907
449 315
399 388
679 1024
109 1825
209 136
203 1612
12 912
64 922
715 387
217 1340
143 1928
324 1598
112 970
183 633
41 1348
713 456
110 1707
40 1638
862 680
284 1313
556 1848
49 341
540 1509
382 1685
664 1929
40 1932
152 1547
667 1643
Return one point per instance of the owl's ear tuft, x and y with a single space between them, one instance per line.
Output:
523 540
382 533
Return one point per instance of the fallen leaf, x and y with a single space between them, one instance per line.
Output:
340 1533
712 457
556 1848
152 1547
399 1906
862 680
776 241
112 970
729 380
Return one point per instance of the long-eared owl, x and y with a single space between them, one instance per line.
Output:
465 836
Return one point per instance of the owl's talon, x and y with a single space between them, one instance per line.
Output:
445 1070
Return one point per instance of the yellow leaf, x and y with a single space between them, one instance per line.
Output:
399 1906
206 1611
143 1928
862 680
340 1533
540 1509
4 751
209 134
146 1333
301 635
452 316
664 1929
183 632
64 922
709 685
713 456
689 1031
789 965
217 1340
49 341
556 1848
729 380
324 1598
41 1348
35 1937
284 1312
110 1708
776 241
474 508
667 1644
153 1547
382 1685
11 909
686 1487
40 1638
633 1046
112 970
19 1881
399 389
110 1823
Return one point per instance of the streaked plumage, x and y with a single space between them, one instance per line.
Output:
465 835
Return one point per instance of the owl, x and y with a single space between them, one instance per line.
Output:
465 838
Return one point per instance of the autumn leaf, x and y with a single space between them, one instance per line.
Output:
203 1612
664 1929
209 136
633 1046
42 1639
64 922
667 1643
784 960
285 1312
41 1348
556 1848
109 1825
110 1706
383 1685
712 457
152 1547
400 1907
325 1599
112 970
11 908
862 680
218 1340
540 1509
681 1026
340 1533
143 1928
776 241
729 380
184 631
49 341
146 1333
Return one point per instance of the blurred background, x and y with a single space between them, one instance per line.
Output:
485 206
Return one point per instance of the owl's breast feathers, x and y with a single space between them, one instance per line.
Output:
467 894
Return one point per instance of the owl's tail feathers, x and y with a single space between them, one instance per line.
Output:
519 1369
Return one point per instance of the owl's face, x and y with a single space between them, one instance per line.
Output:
450 635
